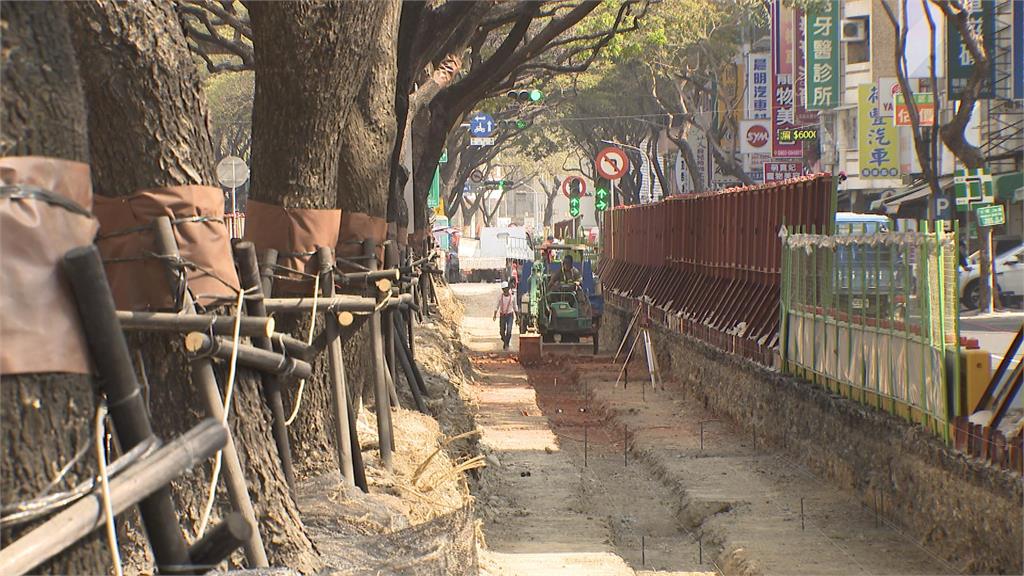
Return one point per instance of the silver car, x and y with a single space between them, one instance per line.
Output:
1009 268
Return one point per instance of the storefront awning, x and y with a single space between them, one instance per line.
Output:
913 196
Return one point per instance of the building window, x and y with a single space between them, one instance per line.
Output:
857 50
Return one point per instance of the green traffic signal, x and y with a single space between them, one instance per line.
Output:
536 95
574 207
521 124
601 199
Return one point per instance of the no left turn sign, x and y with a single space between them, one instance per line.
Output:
612 163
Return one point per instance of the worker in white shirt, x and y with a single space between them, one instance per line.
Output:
506 308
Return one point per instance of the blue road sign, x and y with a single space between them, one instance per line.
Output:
481 125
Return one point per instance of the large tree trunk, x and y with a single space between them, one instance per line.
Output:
44 418
322 138
369 135
148 127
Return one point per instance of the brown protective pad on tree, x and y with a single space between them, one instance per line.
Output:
40 330
126 241
295 233
357 227
419 238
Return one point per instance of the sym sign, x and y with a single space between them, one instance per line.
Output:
755 136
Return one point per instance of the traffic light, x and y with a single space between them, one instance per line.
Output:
574 206
501 184
514 124
524 96
574 197
601 198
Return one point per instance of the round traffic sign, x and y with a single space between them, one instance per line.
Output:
476 176
481 124
232 172
612 163
567 183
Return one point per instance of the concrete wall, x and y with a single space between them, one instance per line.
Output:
963 510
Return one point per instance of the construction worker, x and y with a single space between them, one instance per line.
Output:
506 308
567 274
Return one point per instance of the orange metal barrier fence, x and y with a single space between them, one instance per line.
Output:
710 264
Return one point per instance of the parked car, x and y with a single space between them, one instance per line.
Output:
1009 269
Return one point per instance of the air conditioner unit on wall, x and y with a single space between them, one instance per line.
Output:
855 29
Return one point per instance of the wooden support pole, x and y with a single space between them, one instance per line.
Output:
339 389
266 270
381 398
388 324
206 382
267 361
420 382
358 470
169 322
368 278
249 275
410 375
109 352
220 542
140 482
333 303
408 334
286 344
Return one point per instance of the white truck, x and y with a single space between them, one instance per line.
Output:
485 259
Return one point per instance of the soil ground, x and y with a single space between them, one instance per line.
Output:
586 477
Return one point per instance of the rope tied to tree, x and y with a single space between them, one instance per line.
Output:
309 342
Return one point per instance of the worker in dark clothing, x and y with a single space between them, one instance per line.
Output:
567 274
965 263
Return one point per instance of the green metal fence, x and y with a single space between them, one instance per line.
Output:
872 315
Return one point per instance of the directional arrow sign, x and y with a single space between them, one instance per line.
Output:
481 125
574 206
601 199
612 163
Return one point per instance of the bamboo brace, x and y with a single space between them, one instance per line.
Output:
221 325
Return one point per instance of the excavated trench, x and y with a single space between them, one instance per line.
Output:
653 525
588 477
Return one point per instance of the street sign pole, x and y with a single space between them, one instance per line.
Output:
234 205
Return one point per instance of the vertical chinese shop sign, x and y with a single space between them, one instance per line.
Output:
822 53
878 140
783 100
758 70
959 62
